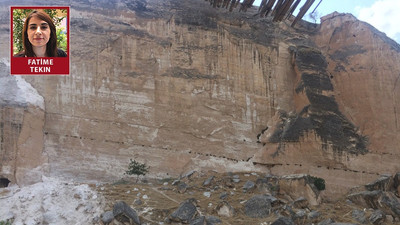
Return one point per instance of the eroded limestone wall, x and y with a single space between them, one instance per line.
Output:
176 96
182 86
22 160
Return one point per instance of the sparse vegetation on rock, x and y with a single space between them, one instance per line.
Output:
137 168
318 182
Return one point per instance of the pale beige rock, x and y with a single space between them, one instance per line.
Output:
22 111
184 92
364 65
22 144
225 209
297 186
177 98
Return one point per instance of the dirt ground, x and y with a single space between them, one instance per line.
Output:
160 198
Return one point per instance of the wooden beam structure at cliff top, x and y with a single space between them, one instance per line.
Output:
278 9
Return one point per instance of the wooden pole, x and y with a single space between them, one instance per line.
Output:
284 9
294 6
303 11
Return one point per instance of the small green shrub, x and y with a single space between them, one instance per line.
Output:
319 183
137 168
6 222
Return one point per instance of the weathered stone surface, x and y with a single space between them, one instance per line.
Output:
301 203
287 211
326 222
343 224
185 213
258 206
208 181
297 186
192 88
300 217
206 220
390 203
138 201
188 174
368 199
163 87
207 194
211 220
320 114
398 191
313 216
182 187
283 221
22 118
223 195
396 180
396 183
225 209
389 219
268 185
124 213
359 215
383 183
377 217
107 217
351 63
386 201
199 221
249 186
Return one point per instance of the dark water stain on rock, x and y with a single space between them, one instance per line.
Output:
322 114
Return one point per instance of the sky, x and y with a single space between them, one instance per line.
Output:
382 14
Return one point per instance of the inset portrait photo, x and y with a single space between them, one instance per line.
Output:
40 40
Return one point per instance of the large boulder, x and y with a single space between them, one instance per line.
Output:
382 184
390 203
185 213
367 199
386 201
124 213
299 185
259 206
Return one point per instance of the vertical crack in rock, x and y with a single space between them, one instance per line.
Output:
321 114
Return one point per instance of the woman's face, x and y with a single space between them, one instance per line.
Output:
38 32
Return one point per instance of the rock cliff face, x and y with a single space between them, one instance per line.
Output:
21 130
359 88
180 85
